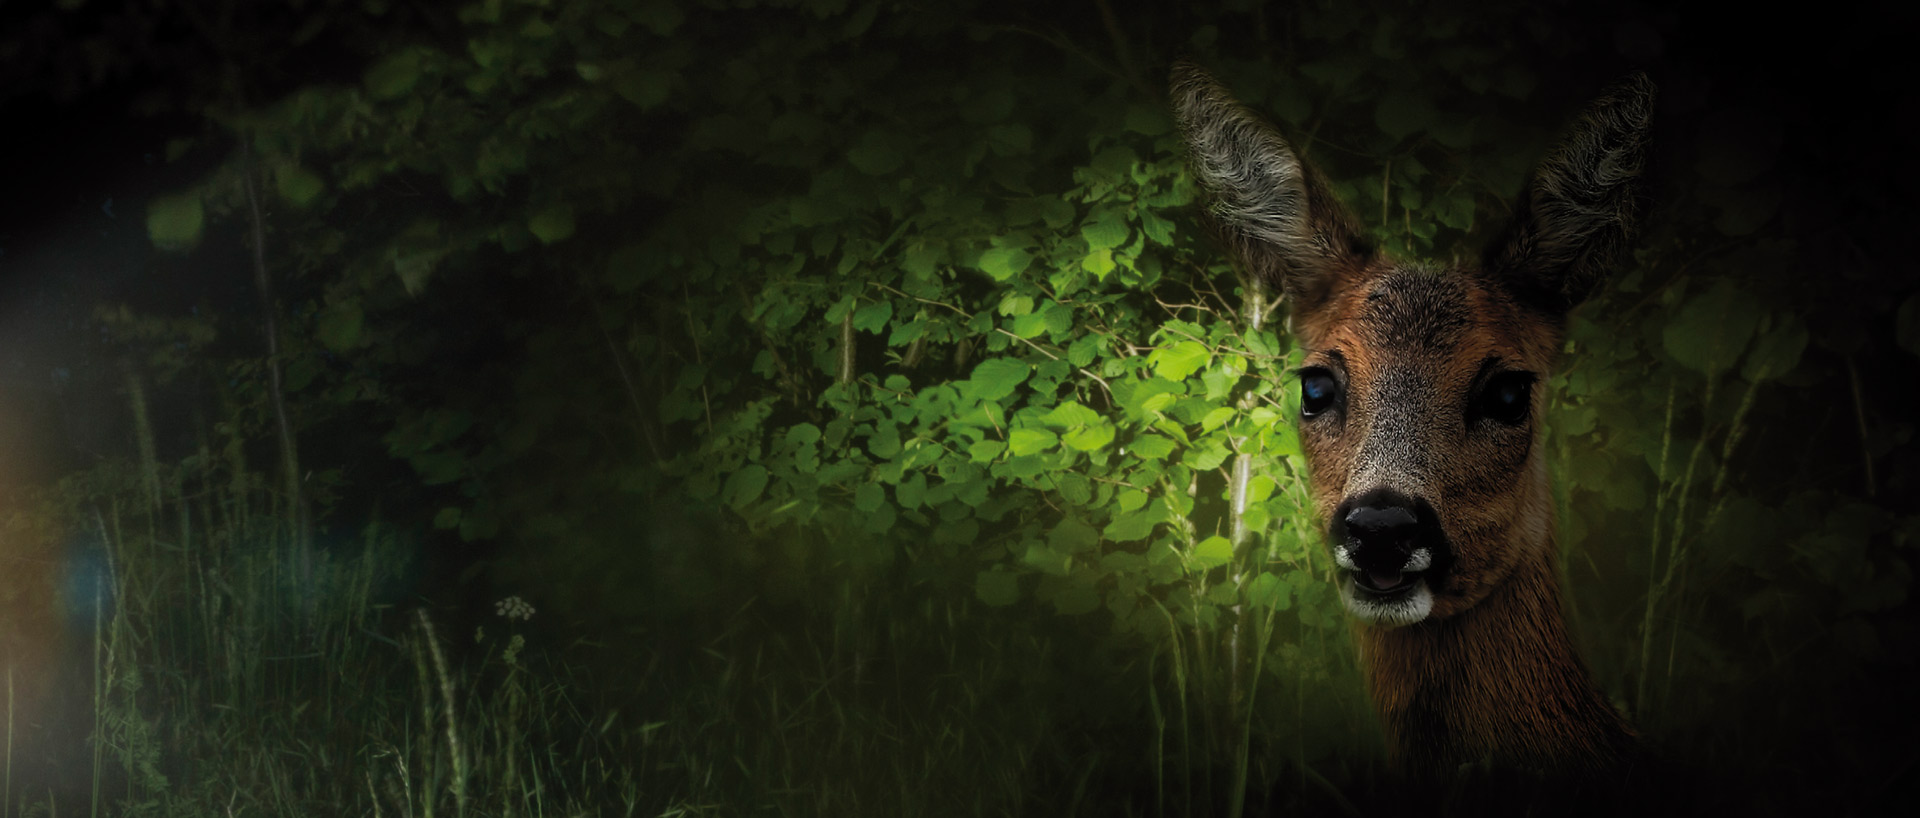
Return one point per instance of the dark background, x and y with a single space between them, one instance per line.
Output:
91 97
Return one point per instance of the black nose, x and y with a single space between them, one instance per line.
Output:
1384 527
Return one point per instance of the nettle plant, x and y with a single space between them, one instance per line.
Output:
1041 405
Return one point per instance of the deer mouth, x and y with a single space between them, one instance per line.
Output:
1385 584
1383 578
1389 589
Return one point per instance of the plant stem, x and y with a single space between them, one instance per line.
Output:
1653 556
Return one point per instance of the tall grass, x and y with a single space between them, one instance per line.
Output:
220 680
222 685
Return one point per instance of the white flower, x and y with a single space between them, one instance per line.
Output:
513 607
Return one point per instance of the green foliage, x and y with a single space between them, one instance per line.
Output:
175 222
889 297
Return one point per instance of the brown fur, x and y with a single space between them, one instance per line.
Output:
1488 673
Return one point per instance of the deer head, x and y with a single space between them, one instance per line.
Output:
1420 395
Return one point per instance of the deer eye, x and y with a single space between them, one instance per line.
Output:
1507 397
1318 392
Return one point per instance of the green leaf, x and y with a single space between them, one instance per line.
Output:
339 326
1269 591
987 106
439 467
1159 230
298 185
878 153
1208 458
1906 325
1212 552
1028 440
1072 536
1089 438
1177 362
1075 600
1083 349
996 378
1283 440
448 518
659 16
478 526
873 317
645 89
869 497
174 222
393 76
1403 112
1256 518
553 224
904 334
885 442
1130 526
1107 230
1075 488
1151 120
1099 263
629 266
414 269
857 24
1708 334
744 486
1030 325
1069 414
1047 560
1340 71
1010 140
1745 208
921 260
1777 352
1005 262
1260 488
1216 418
911 491
998 588
1151 447
1115 162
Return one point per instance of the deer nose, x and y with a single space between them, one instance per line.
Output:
1383 527
1385 531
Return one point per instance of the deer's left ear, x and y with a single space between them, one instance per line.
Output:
1578 212
1274 211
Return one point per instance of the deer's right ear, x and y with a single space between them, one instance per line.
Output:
1577 215
1274 210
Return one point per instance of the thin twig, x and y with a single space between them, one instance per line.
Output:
1860 420
1121 50
633 395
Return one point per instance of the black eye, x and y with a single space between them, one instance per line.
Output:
1507 397
1318 392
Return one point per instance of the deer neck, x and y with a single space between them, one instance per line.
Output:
1500 681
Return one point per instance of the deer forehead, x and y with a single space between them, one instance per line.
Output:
1444 323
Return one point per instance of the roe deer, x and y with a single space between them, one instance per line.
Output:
1420 418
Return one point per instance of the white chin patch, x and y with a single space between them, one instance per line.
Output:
1404 608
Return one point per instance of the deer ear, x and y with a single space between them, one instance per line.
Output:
1273 210
1577 213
